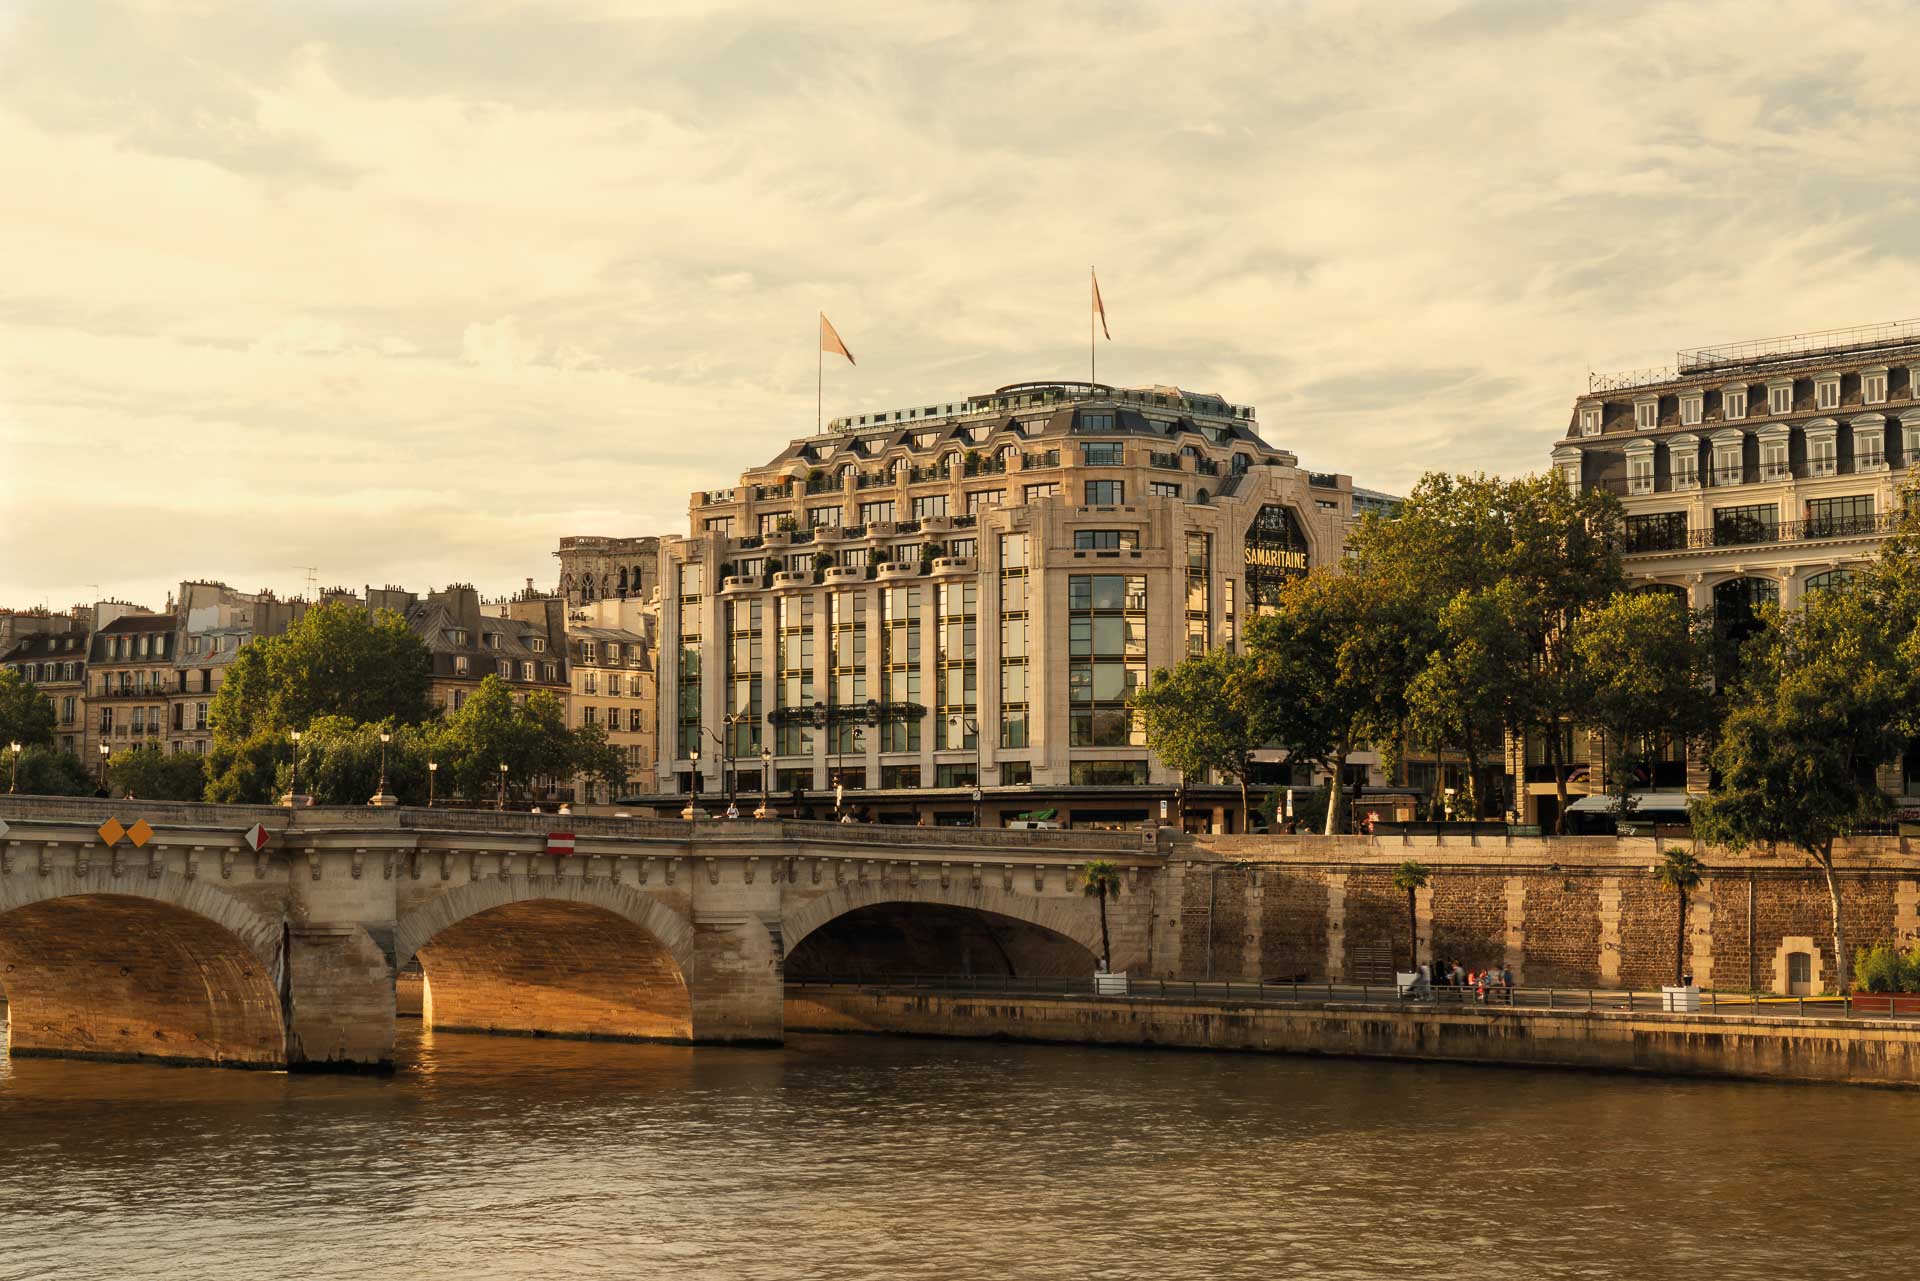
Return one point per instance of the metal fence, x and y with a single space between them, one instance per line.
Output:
1290 992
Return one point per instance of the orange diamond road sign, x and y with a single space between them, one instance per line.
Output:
111 832
139 833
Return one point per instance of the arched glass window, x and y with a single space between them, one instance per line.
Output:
623 580
1737 603
1831 578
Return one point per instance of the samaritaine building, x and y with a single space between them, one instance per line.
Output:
1754 472
942 610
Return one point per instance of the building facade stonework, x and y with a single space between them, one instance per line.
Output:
917 603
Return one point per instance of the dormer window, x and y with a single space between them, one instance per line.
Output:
492 639
1590 420
1873 386
1646 414
1640 469
538 644
1096 422
1780 398
1733 403
1690 409
1826 392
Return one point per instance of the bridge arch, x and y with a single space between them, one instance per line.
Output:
139 968
875 928
551 956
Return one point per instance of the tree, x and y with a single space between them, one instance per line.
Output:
149 774
249 771
1407 878
596 759
1462 695
335 660
1647 666
26 714
1681 872
45 771
1816 708
1199 716
1329 669
490 730
1101 882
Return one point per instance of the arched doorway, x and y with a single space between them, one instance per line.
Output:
136 976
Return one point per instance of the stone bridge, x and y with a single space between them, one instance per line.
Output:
182 943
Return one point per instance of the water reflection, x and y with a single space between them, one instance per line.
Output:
875 1158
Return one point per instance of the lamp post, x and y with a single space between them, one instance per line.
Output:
105 752
433 770
693 754
380 796
970 727
503 786
294 791
766 776
15 783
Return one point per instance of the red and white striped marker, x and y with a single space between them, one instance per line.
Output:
559 842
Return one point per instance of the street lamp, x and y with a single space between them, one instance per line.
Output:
969 726
380 796
503 786
766 776
693 754
14 785
105 752
294 791
433 770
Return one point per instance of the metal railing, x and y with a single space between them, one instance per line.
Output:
1748 534
1786 346
1898 1005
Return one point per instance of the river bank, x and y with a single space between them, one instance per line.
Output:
1748 1047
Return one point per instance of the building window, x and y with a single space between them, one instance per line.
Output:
1685 462
1105 539
1773 459
460 664
1640 472
900 777
1660 532
1733 404
526 670
1106 658
1199 591
746 663
1739 526
847 657
1873 386
1780 398
1106 493
1832 517
929 505
1108 773
1014 568
770 522
793 687
1870 445
1096 422
980 499
1163 489
549 672
876 513
1569 469
1690 408
1036 492
1646 414
902 613
964 775
505 668
823 518
720 526
1823 454
1106 454
538 644
687 686
1826 393
956 639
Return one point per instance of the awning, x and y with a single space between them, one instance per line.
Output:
1645 805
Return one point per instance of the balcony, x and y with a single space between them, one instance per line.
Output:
1750 533
1168 462
1205 467
735 583
789 578
845 574
986 467
954 564
1051 458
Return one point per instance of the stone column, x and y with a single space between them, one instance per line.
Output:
338 991
735 983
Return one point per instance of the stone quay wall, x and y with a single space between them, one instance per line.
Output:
1568 911
1841 1051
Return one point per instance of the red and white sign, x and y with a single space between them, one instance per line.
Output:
257 837
559 842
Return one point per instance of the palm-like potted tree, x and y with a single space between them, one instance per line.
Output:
1101 881
1409 877
1678 870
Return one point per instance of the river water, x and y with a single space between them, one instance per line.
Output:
858 1157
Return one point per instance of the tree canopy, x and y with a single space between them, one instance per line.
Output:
1648 666
27 716
335 660
1205 715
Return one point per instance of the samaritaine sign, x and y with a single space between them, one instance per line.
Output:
1276 553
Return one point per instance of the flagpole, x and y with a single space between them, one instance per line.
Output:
819 374
1093 365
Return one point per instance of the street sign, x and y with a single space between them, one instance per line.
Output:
111 832
257 837
139 833
559 842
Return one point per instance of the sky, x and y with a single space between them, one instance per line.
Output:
405 292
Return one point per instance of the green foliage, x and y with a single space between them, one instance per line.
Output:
1678 870
1330 665
1883 968
531 739
1205 715
26 714
340 761
1102 882
598 759
46 771
1410 876
149 774
336 660
1647 666
254 770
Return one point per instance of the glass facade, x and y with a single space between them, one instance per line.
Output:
1199 591
746 666
957 637
1014 579
1107 658
849 658
901 609
687 695
794 688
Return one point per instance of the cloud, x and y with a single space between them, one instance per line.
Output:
410 291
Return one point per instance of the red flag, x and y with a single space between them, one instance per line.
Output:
830 339
1099 308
